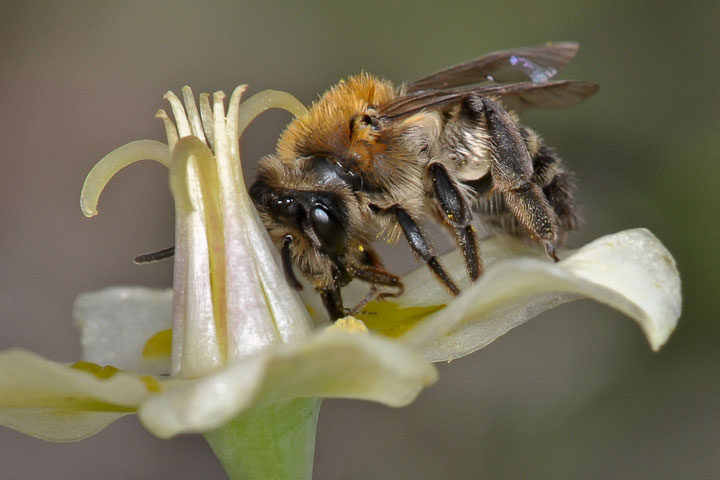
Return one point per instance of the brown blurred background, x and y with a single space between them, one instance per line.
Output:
576 393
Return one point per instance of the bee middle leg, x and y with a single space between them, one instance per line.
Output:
457 215
511 170
422 248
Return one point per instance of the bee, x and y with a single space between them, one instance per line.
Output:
372 160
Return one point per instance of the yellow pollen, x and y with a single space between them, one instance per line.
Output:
159 345
349 324
361 248
101 372
151 383
392 320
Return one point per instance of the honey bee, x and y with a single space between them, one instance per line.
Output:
372 160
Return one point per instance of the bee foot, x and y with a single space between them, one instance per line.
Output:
368 298
550 249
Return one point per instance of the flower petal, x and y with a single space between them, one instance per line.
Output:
57 425
55 402
630 271
331 364
290 316
116 323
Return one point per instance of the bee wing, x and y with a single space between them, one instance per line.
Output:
536 64
514 96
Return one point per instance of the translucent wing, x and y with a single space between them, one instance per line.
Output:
515 96
535 64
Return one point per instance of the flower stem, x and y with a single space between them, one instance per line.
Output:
269 442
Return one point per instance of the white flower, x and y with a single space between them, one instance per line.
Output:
630 271
241 337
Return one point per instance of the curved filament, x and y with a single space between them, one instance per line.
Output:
115 161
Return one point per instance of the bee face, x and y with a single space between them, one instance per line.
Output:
372 160
318 214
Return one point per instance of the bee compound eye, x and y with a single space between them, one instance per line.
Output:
328 229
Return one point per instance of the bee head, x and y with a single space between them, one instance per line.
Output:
317 214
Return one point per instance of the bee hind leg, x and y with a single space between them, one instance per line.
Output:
511 170
422 248
550 249
457 215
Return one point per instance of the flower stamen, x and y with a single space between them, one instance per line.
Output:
115 161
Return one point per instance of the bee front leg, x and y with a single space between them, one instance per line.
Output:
378 276
420 245
332 300
456 214
366 266
511 170
286 256
367 299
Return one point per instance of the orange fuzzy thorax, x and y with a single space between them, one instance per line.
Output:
327 126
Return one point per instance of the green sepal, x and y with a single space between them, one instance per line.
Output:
269 442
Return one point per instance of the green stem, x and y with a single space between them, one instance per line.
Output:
268 443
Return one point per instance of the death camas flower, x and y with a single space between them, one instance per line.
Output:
232 352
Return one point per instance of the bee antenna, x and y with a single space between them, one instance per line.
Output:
153 257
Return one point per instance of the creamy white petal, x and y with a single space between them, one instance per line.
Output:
116 323
57 425
630 271
330 364
55 402
289 314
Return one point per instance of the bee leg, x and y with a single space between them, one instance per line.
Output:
512 170
419 244
332 300
550 249
370 269
378 276
287 263
456 214
367 299
374 293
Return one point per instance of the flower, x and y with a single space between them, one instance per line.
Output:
242 341
240 336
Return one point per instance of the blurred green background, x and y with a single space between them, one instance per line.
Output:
576 393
